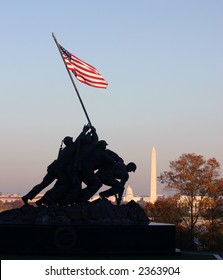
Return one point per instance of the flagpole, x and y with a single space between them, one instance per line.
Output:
72 80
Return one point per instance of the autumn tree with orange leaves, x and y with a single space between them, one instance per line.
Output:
198 182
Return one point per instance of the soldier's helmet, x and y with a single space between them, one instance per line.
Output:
131 166
102 144
68 140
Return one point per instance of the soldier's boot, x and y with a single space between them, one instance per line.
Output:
102 196
118 200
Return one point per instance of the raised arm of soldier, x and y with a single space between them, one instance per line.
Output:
84 131
94 135
88 135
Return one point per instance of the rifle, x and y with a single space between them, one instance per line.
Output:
61 148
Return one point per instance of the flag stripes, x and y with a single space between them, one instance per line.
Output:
83 71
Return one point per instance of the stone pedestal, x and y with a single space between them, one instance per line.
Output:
92 241
92 230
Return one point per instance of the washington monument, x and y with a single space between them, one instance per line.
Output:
153 194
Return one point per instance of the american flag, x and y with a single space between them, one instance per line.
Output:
83 71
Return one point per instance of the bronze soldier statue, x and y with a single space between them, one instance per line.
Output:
116 177
89 163
100 158
63 168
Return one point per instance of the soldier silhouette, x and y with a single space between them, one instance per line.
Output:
115 176
63 168
100 157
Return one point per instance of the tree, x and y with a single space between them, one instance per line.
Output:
164 210
212 237
194 179
214 210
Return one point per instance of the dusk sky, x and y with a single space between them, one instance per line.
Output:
163 61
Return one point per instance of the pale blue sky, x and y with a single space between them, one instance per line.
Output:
163 60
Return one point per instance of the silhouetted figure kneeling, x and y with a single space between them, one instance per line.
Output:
115 176
96 159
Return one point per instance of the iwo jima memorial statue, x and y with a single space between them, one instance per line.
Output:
63 221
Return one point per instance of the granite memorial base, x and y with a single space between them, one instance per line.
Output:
127 232
93 240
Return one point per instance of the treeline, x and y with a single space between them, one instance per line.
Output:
196 208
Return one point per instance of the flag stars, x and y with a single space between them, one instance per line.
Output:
65 52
